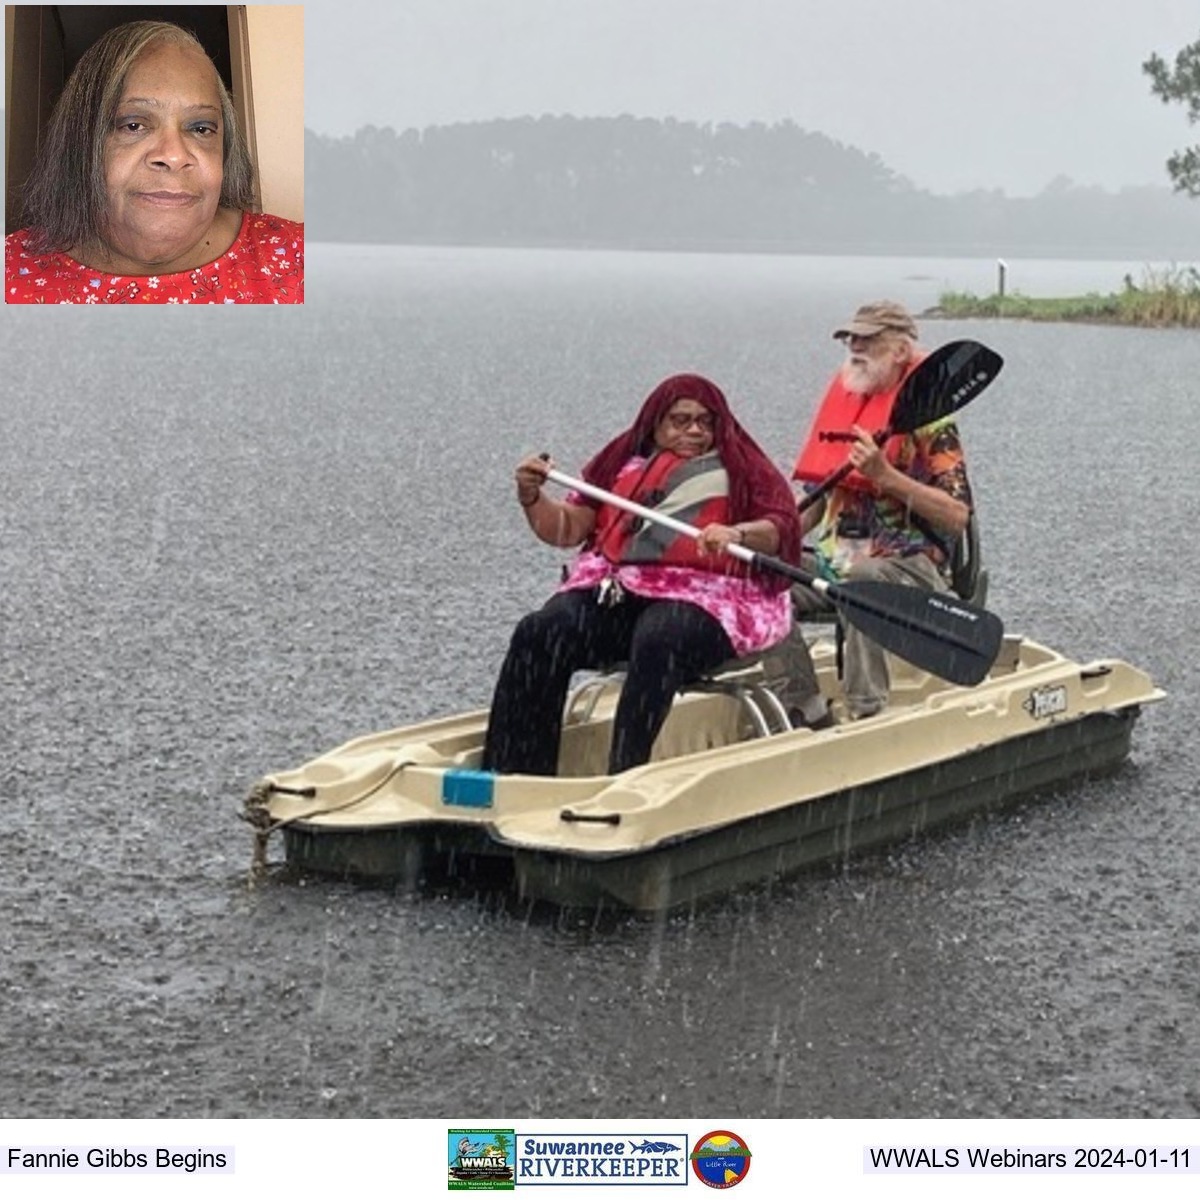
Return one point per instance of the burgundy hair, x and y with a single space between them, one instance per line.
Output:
757 489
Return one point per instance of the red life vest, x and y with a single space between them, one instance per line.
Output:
827 446
694 490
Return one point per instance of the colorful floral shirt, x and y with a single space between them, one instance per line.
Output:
265 265
858 524
750 614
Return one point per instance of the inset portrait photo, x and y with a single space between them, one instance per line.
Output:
154 154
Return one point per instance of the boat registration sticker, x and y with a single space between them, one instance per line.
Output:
1046 702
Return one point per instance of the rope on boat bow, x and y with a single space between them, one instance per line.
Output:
256 808
254 811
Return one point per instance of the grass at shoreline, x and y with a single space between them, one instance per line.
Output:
1161 299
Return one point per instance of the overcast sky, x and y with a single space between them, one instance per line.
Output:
953 94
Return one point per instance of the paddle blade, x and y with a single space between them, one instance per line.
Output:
947 380
935 631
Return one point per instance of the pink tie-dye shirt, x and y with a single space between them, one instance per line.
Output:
750 614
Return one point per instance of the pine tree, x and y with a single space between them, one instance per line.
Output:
1180 84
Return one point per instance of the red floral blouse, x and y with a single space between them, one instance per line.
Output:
265 265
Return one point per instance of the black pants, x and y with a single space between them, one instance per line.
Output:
666 643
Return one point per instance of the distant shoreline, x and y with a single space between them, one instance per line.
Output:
1163 300
797 249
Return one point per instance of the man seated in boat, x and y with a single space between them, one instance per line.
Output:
893 518
672 606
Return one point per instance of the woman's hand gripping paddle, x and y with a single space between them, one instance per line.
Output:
937 632
937 387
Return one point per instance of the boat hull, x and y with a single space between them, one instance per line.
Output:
752 850
719 808
834 827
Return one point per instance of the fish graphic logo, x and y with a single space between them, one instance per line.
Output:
653 1148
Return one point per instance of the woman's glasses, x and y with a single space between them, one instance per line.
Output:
682 422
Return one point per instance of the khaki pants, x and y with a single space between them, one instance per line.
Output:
788 666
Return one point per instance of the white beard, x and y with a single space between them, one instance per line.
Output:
864 377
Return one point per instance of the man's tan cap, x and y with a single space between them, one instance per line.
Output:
877 316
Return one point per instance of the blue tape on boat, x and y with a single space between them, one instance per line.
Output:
469 789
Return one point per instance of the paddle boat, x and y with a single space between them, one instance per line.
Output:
731 795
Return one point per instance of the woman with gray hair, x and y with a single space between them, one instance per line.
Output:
143 190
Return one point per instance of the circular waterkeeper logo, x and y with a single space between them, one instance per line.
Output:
721 1159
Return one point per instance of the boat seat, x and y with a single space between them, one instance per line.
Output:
741 679
738 678
967 573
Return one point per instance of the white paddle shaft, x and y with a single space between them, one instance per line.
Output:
650 514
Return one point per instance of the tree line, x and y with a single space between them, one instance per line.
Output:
667 184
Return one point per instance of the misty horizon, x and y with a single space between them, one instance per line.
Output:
953 97
1057 182
641 183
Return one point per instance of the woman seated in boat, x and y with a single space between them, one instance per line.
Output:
671 606
142 188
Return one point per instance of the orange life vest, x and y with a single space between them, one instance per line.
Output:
660 483
827 447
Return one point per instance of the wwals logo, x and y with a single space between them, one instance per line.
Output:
480 1159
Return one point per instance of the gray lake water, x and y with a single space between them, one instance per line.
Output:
232 540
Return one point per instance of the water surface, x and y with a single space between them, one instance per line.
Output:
231 541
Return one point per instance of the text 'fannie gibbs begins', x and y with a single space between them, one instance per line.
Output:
113 1159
